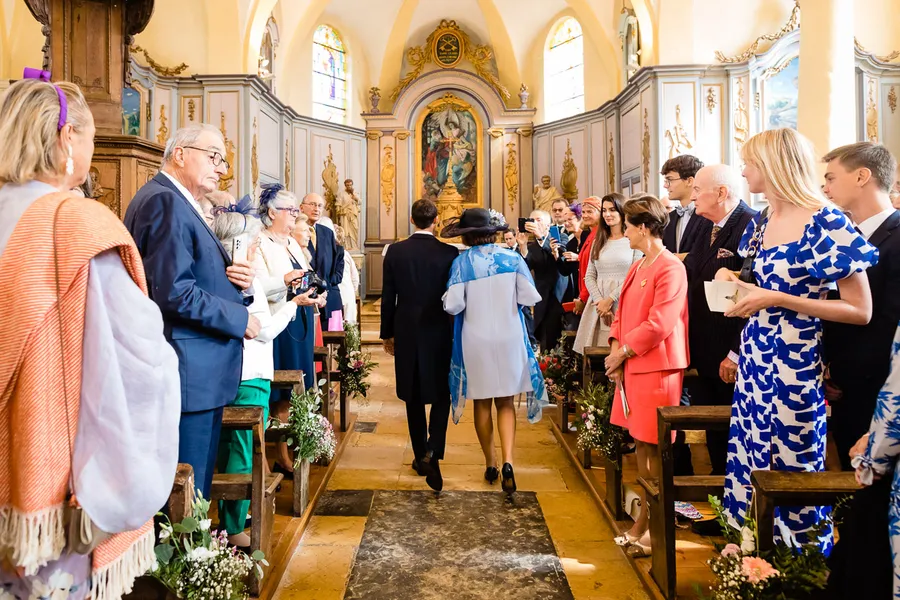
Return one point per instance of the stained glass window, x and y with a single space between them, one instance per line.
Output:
329 76
564 71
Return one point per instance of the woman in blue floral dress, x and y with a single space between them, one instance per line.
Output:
803 246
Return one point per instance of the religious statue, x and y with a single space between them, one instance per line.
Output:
545 194
629 41
677 136
741 118
523 96
511 176
387 179
346 213
569 179
330 182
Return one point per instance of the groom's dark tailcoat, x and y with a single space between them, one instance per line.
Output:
712 335
415 278
204 318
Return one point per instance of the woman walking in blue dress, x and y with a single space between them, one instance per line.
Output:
802 246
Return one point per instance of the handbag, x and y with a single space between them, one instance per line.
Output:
747 275
82 535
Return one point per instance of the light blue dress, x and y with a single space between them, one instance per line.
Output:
883 451
778 412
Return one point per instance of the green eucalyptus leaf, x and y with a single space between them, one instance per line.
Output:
164 553
190 524
258 555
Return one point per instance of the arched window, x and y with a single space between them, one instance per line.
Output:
329 76
564 71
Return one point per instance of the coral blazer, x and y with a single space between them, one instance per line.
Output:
653 316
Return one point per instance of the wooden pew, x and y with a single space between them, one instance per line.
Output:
337 347
258 486
182 496
662 494
595 371
794 488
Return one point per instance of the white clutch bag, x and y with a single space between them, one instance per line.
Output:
723 295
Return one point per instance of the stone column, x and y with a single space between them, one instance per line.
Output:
827 99
495 199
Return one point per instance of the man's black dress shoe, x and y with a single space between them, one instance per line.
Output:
509 479
417 467
429 467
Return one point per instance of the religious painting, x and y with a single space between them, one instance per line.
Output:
449 159
132 111
781 93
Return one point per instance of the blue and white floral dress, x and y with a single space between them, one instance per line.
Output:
778 412
883 452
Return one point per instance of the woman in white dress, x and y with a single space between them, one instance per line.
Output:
611 257
492 359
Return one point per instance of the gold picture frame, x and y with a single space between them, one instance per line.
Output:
452 102
448 47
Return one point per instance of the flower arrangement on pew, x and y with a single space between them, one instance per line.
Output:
743 573
558 366
311 434
595 432
355 365
194 562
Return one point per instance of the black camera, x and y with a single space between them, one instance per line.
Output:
309 281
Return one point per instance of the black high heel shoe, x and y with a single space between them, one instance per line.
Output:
509 479
277 468
491 474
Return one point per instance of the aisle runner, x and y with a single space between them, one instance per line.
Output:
463 545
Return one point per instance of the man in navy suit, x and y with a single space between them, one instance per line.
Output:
327 256
196 287
714 338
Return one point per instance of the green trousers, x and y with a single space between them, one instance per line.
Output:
236 452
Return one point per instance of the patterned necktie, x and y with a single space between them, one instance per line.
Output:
715 233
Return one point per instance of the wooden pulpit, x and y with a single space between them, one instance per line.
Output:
87 43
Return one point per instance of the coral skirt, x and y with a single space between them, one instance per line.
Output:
645 392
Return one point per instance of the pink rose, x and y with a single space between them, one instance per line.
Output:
756 569
731 549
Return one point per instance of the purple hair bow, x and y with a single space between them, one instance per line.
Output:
31 73
244 207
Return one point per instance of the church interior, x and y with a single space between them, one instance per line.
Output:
497 104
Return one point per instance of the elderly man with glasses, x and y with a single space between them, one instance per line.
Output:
327 256
200 291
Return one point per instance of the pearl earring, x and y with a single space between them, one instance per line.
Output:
70 163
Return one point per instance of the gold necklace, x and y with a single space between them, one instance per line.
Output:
646 265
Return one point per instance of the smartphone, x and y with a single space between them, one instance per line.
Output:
522 221
239 247
556 233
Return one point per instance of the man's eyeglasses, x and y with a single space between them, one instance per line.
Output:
670 180
315 205
215 157
293 211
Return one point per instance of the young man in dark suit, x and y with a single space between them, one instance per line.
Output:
679 173
327 256
198 290
714 338
858 178
419 334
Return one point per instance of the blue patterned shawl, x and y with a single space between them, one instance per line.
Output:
477 263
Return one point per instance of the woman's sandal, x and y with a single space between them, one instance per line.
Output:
626 539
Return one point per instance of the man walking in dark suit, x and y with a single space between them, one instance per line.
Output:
327 256
198 290
679 173
721 218
859 178
419 334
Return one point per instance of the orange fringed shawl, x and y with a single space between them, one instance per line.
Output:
35 456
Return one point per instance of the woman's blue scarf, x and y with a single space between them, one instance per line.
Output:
477 263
